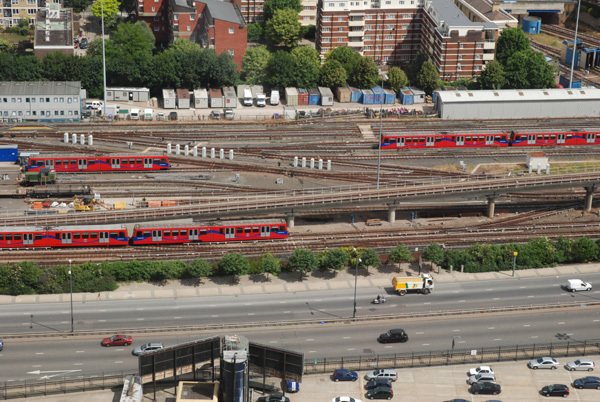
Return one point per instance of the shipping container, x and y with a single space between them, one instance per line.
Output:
368 98
169 99
201 98
434 93
183 99
291 96
314 96
343 94
230 97
216 98
378 95
390 97
302 97
418 95
564 81
406 96
356 95
9 153
326 96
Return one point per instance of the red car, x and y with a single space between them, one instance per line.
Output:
117 340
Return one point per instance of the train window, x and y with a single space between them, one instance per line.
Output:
93 235
156 160
65 162
255 229
163 160
239 230
114 235
91 162
17 236
122 234
132 161
202 232
138 161
58 162
76 236
167 233
38 236
438 139
421 139
569 136
553 136
9 237
124 161
146 233
183 233
85 235
221 230
175 232
138 233
73 161
1 237
468 139
247 230
546 137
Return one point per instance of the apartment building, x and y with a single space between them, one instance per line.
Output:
154 13
12 11
53 31
252 10
392 32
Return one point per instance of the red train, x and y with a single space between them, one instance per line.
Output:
116 235
458 139
98 163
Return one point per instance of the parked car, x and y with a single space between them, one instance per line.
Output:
117 340
83 43
481 377
393 336
580 365
587 382
173 116
147 347
345 399
215 114
273 398
344 375
486 387
378 382
543 363
382 374
380 393
229 114
555 390
481 370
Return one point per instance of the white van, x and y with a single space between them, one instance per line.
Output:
134 114
575 285
248 100
93 105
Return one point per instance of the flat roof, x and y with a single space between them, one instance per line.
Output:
24 88
512 95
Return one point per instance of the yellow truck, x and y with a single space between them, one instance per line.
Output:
421 284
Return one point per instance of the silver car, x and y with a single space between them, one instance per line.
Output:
580 365
147 347
481 378
544 363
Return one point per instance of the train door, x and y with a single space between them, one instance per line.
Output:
591 138
229 233
531 139
104 238
265 231
49 163
400 142
82 164
115 163
28 238
489 140
157 235
148 163
460 140
429 141
66 238
193 234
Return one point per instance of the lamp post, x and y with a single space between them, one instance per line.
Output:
453 339
515 254
103 57
71 287
355 282
383 77
574 45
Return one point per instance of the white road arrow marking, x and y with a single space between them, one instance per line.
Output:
58 372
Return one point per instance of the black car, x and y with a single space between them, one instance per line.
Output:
273 398
380 393
83 43
555 390
486 387
393 335
173 116
379 382
587 382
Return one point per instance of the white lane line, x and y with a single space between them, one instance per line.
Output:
282 302
496 298
140 319
425 344
80 351
39 353
309 339
273 341
526 325
214 316
177 318
530 297
118 362
101 320
462 301
491 327
426 303
346 337
456 330
533 337
37 365
77 364
497 339
419 333
251 313
312 351
350 349
561 323
286 312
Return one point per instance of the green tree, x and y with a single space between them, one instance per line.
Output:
529 70
77 5
303 261
368 258
347 57
336 259
130 40
584 250
129 6
269 264
191 64
199 268
332 74
284 28
492 77
58 66
434 253
400 254
511 41
281 70
397 79
254 64
111 11
365 74
6 46
28 68
428 77
309 32
226 72
255 32
307 66
271 6
234 264
413 68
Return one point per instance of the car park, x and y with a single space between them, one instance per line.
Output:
555 390
587 382
273 398
380 393
147 347
393 336
382 374
486 387
117 340
543 363
344 375
379 382
581 365
481 377
345 399
480 370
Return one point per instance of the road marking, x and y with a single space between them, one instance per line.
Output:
251 313
140 319
419 333
101 320
37 365
177 318
427 303
118 362
77 364
80 351
310 339
103 311
456 330
523 287
496 298
346 337
311 351
498 339
39 353
388 347
596 320
561 323
526 325
425 344
350 349
139 309
491 327
286 312
533 337
462 301
273 341
282 302
530 297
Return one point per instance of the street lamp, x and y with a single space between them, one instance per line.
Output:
383 77
515 254
103 57
574 45
355 282
453 339
71 287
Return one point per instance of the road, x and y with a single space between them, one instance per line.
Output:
43 357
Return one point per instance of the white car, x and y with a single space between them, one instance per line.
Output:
481 370
345 399
580 365
544 363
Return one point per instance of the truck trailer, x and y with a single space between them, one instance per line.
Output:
421 284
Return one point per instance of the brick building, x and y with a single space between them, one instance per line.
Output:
154 13
392 32
53 31
252 10
12 11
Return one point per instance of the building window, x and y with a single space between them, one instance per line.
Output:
477 57
389 16
325 40
389 36
26 100
389 27
388 47
459 68
479 46
231 52
340 40
461 57
330 4
340 29
175 16
326 19
340 19
326 29
368 27
31 11
405 15
156 28
156 17
62 100
62 112
192 17
189 28
368 47
477 68
19 100
462 46
231 30
306 8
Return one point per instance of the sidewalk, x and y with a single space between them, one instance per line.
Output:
287 282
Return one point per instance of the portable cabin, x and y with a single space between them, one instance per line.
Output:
355 95
230 97
343 94
406 96
183 99
127 94
257 89
418 95
169 99
302 97
9 153
368 98
216 98
326 96
378 95
201 98
291 96
390 97
314 96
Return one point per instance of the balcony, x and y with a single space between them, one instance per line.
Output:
355 44
355 34
356 23
489 45
488 56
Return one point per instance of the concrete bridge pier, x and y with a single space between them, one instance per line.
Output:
392 213
589 197
290 220
491 208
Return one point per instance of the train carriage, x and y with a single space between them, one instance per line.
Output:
98 163
554 138
64 236
425 140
